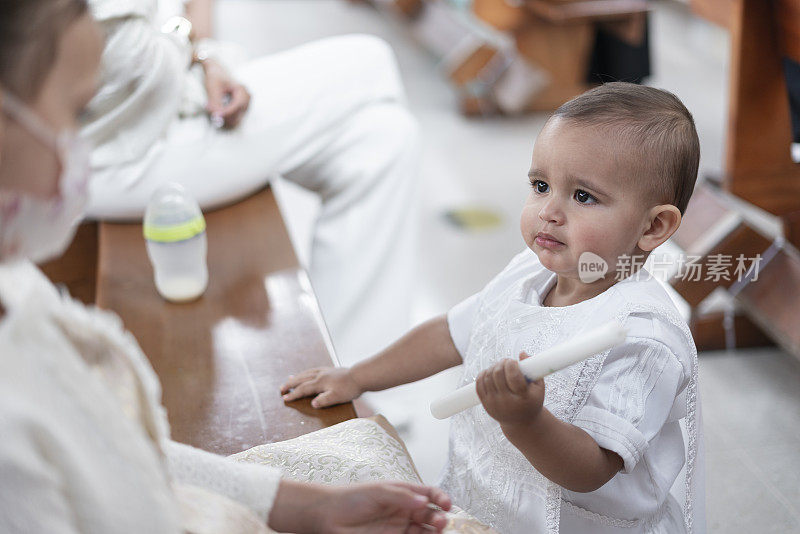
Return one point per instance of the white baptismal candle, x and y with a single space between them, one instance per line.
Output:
539 365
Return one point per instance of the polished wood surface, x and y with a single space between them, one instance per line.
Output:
222 358
76 269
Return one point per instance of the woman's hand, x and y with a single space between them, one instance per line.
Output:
332 385
386 508
228 100
508 396
393 508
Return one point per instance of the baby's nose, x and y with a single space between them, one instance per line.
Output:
551 212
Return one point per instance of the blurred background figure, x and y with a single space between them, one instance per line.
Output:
328 116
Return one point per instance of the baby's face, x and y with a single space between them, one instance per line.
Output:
584 198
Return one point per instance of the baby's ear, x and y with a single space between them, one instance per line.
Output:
664 220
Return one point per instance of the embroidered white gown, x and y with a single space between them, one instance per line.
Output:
629 399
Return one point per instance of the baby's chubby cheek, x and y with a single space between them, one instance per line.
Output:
590 237
529 225
602 241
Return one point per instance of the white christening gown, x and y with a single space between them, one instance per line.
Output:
630 399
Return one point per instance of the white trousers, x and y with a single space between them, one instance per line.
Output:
330 117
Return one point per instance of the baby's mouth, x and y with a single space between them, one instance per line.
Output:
548 241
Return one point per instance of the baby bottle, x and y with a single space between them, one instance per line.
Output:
174 229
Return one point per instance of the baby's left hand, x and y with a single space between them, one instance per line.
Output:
508 396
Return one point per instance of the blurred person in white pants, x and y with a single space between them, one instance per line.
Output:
328 116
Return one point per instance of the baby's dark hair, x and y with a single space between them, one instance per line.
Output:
29 35
657 127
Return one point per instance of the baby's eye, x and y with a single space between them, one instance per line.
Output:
540 186
584 198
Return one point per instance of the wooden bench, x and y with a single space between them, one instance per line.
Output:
766 308
758 170
222 358
758 166
558 37
544 56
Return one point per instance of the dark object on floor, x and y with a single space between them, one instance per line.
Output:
615 59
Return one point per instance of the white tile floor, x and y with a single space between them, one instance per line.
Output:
751 398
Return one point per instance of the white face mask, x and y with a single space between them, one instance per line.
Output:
41 228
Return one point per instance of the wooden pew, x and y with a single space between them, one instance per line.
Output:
766 302
759 170
758 165
222 358
76 269
513 56
557 36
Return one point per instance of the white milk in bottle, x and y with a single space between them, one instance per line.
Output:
175 231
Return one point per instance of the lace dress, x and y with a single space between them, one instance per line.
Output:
629 399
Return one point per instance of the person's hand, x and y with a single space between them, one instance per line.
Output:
228 100
389 508
508 396
332 385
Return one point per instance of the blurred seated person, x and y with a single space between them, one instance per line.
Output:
85 441
328 116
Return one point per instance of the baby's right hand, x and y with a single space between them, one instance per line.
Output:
334 385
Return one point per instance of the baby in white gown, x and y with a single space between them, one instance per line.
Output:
596 447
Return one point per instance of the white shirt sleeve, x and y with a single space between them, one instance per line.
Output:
460 320
254 486
633 398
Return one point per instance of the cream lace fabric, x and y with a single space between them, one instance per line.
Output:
491 479
358 450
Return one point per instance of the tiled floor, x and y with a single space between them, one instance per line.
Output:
751 403
751 398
